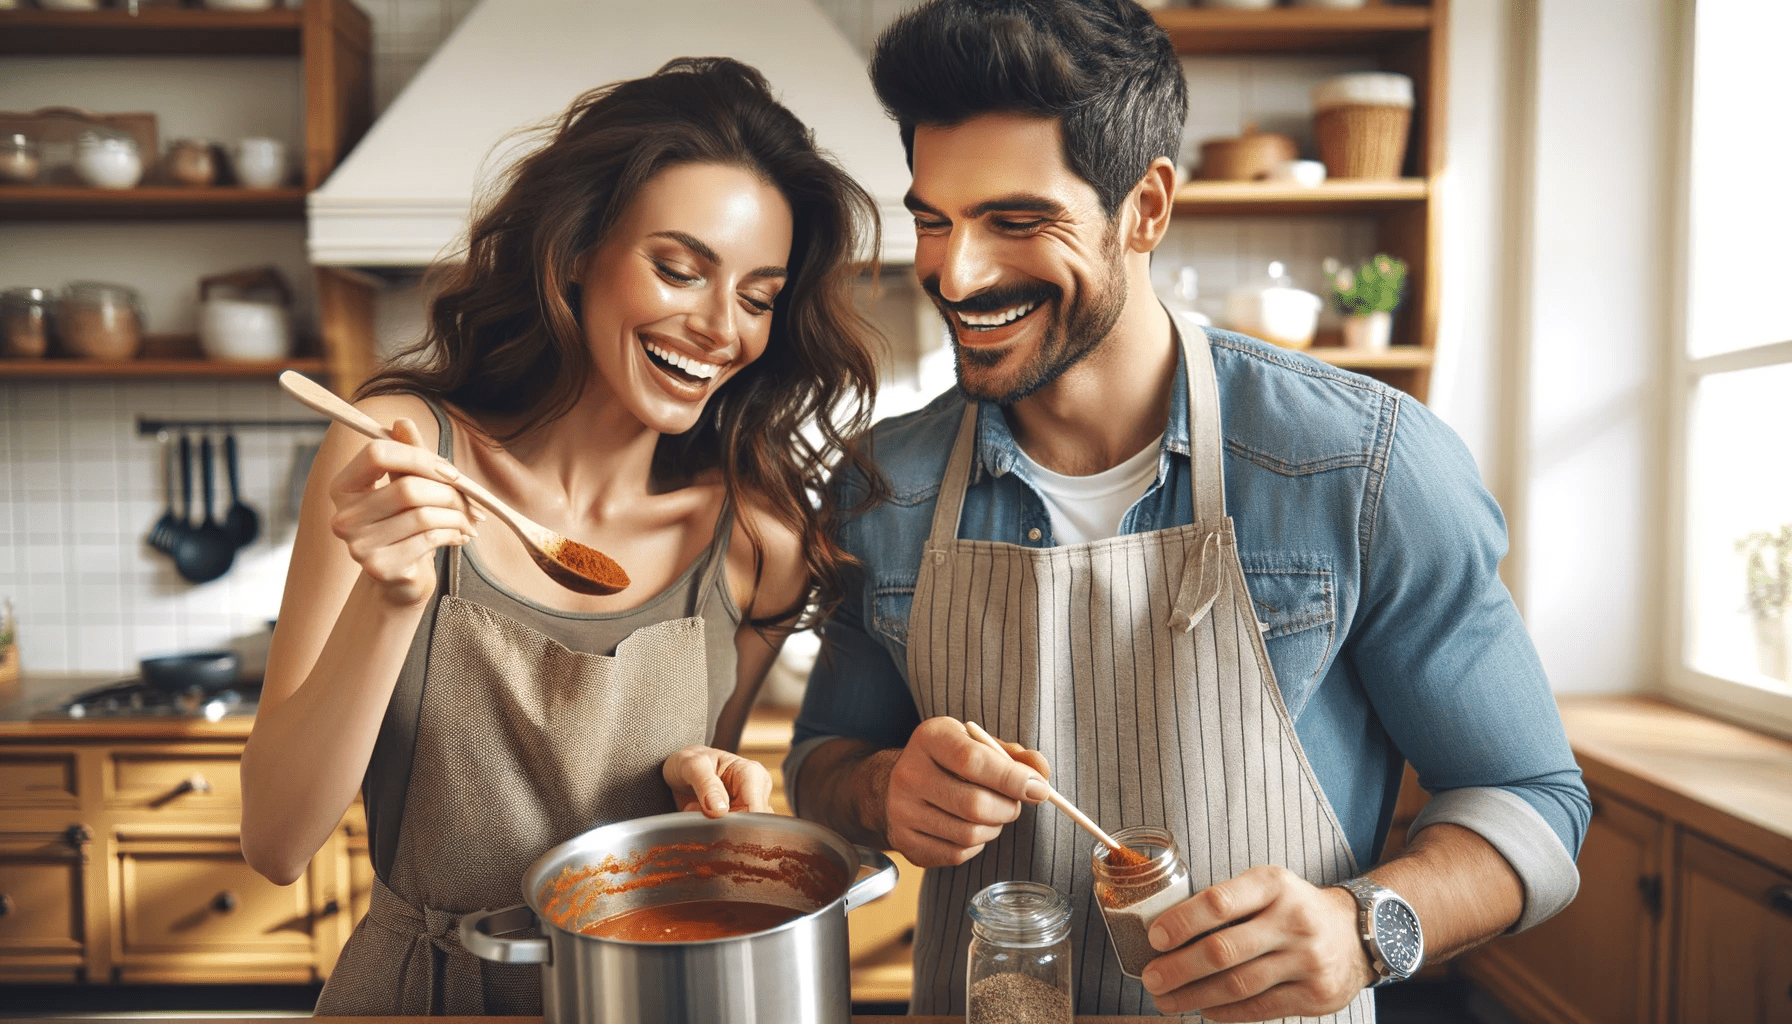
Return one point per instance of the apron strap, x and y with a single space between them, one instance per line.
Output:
439 976
1205 445
389 768
715 559
950 504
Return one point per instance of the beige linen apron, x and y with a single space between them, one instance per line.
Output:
521 743
1136 666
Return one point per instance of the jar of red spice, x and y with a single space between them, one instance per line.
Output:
1019 971
1133 890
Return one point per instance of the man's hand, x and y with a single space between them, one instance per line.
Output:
948 795
1294 951
716 782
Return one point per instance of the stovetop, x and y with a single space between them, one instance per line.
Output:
133 698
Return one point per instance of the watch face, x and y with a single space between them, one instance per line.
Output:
1397 935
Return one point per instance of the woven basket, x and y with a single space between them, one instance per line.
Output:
1362 140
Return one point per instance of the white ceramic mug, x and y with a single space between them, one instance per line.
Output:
260 163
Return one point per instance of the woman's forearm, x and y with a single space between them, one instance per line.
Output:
308 753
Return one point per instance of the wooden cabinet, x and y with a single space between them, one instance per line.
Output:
1734 962
1599 956
1684 914
120 862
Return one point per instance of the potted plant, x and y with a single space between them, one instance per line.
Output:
1769 595
1367 296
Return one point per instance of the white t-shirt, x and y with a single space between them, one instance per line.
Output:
1089 508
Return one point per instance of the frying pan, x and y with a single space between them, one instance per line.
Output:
177 673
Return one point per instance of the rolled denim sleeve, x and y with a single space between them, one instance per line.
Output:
855 691
1451 671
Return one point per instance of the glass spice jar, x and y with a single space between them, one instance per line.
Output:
96 320
25 322
18 158
1019 957
1131 895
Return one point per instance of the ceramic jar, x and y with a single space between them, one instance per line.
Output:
260 163
108 160
190 162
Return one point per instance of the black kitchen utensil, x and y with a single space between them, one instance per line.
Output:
178 673
205 553
162 535
240 521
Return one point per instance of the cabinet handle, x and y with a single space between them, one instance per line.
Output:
224 902
192 784
332 908
1780 898
5 904
77 836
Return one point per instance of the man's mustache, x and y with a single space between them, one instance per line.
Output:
993 300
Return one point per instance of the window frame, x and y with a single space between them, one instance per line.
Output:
1746 704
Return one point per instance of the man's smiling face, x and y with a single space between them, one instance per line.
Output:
1015 250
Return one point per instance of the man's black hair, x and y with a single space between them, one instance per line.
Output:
1103 68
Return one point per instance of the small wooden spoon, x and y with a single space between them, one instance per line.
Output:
1054 797
573 565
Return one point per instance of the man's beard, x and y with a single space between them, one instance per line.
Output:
1071 335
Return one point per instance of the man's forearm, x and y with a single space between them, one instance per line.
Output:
845 785
1462 889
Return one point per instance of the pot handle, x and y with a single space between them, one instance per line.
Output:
878 883
476 936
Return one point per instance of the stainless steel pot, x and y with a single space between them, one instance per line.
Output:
796 973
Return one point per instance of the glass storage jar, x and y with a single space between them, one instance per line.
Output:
18 158
1132 895
96 320
108 159
1019 957
25 322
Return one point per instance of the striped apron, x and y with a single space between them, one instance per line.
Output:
1137 667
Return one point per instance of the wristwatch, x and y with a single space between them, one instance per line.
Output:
1389 930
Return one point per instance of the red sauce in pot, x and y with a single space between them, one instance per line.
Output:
693 921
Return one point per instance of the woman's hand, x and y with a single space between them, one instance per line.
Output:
716 782
394 507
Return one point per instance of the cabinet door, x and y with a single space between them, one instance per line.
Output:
1734 953
1593 962
41 909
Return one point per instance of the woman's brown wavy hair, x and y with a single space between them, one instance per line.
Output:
503 333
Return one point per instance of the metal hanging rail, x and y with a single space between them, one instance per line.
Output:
150 428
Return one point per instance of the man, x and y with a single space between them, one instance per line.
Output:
1241 647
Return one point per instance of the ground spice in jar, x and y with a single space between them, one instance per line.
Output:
1133 890
1017 999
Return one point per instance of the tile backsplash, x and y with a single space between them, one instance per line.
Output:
79 490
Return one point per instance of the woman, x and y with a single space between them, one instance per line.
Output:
655 306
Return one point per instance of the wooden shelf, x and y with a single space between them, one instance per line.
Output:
1245 198
1398 357
153 30
149 202
1293 29
99 369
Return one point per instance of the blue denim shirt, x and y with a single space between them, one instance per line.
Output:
1371 551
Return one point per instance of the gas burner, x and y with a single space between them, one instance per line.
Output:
133 698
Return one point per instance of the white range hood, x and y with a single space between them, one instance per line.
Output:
401 198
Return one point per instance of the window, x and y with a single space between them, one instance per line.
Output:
1732 650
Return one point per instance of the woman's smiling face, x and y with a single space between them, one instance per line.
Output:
677 298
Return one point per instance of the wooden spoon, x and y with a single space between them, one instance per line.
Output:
567 562
1054 797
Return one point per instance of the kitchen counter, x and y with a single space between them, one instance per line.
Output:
38 693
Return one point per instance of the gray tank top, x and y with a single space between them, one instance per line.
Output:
389 769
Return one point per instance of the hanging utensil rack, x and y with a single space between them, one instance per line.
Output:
151 428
